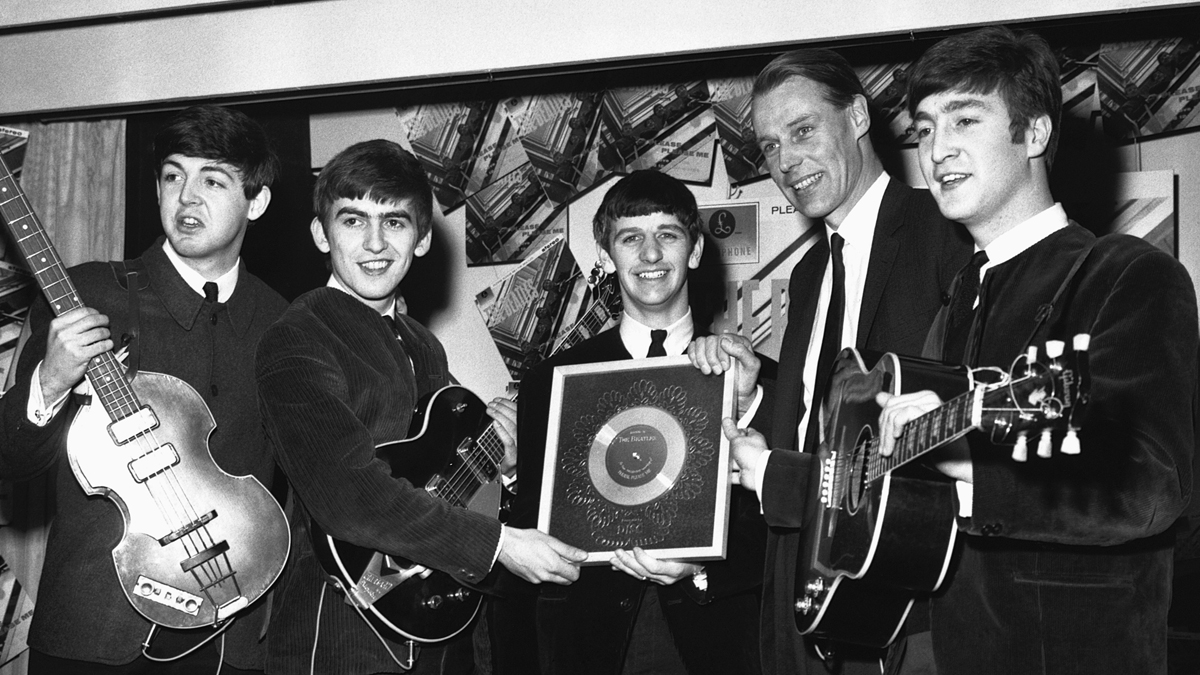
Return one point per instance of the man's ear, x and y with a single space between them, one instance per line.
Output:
424 245
860 114
697 252
1037 136
606 260
259 203
318 235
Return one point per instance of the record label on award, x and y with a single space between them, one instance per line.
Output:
637 455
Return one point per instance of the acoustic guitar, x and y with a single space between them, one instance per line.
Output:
199 544
884 527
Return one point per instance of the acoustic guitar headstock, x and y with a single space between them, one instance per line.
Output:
1040 396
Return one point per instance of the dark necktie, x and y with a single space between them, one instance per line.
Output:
210 291
962 309
831 340
391 322
657 338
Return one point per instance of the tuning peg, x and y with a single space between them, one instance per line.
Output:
1070 444
1081 342
1055 348
1044 444
1020 448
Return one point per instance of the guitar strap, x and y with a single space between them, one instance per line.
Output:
131 275
1047 309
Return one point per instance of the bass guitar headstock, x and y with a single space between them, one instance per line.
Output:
1046 398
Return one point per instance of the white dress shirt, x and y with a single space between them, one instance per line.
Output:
858 231
636 336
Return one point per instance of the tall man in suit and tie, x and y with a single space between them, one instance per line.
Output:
644 615
874 279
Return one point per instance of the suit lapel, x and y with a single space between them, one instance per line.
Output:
884 248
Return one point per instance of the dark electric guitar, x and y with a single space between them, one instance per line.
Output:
883 528
199 544
452 450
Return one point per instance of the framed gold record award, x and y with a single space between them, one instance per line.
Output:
635 457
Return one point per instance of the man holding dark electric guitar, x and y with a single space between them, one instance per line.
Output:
402 535
200 546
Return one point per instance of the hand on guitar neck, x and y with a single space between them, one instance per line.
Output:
898 410
74 339
504 411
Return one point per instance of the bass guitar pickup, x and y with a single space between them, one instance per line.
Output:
131 426
154 462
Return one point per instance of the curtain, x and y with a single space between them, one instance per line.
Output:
74 176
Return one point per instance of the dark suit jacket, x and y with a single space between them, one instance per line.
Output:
585 627
915 255
334 382
1067 561
82 612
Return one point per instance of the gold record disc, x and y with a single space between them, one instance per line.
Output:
637 455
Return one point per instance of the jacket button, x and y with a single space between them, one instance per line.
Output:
626 604
991 529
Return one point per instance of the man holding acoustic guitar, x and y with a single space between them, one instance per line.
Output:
199 545
339 376
881 261
1067 556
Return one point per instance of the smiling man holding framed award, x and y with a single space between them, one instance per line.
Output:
640 466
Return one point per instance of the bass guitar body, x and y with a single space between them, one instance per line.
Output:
199 544
873 544
402 600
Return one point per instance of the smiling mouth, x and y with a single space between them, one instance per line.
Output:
189 223
375 266
652 275
950 180
807 182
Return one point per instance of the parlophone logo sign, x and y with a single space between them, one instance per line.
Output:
722 223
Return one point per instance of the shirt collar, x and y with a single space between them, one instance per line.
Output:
226 283
334 283
1024 235
858 228
636 335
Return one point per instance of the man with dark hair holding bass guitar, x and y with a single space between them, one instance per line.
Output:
187 308
340 374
